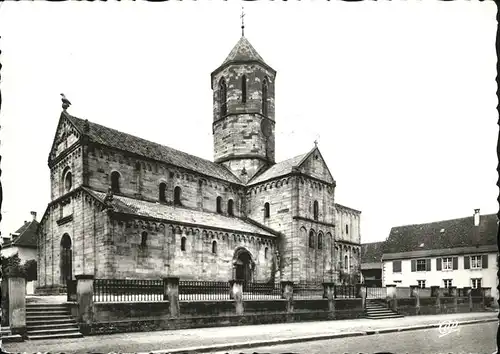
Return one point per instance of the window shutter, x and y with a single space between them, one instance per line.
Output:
428 264
438 263
413 265
466 262
455 263
485 261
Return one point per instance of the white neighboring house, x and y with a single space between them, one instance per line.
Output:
460 252
24 243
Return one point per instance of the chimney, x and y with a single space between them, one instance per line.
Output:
33 214
476 217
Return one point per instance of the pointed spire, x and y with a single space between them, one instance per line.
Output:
242 16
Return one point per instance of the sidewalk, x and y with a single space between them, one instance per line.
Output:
237 336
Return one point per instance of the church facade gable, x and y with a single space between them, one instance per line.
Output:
315 166
65 138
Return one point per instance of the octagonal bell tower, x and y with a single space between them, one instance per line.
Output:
243 124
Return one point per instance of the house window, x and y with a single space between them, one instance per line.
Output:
311 239
219 205
214 247
320 241
447 283
316 210
68 181
144 239
162 196
244 88
421 284
476 283
115 182
396 266
421 265
230 205
266 252
264 97
266 210
475 262
183 244
177 195
447 263
222 98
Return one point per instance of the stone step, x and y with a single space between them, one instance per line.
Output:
378 310
12 338
383 317
52 331
46 312
47 317
46 308
55 336
71 324
44 321
44 305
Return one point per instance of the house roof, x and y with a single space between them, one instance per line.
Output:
371 265
126 142
455 233
156 210
371 252
280 169
243 51
27 236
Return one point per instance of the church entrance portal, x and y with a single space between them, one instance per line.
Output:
66 260
243 267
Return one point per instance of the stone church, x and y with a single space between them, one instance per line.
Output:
123 207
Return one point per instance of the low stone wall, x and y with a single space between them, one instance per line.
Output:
407 306
119 311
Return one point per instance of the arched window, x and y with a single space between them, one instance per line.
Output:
264 97
346 259
230 207
347 229
68 181
267 211
320 241
144 239
219 205
311 239
115 182
244 89
266 252
177 195
183 244
138 166
316 210
222 98
162 196
214 247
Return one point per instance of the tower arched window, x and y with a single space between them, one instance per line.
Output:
230 205
214 247
222 97
316 210
346 260
162 196
264 97
219 205
115 182
68 180
183 244
320 241
177 195
244 89
144 239
266 253
347 229
267 211
311 239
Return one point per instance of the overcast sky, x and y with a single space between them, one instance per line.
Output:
400 95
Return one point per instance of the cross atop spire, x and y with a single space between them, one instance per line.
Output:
316 143
242 16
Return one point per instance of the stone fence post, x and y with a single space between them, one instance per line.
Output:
287 294
391 297
434 290
414 290
454 294
485 292
17 305
468 292
85 301
236 293
329 291
171 293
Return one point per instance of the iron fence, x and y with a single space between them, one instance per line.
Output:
376 293
115 290
308 290
345 291
261 291
204 290
71 290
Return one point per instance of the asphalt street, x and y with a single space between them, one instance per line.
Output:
475 338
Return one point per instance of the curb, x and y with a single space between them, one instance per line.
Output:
262 343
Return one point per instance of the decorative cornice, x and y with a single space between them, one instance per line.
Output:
64 154
348 242
241 113
240 62
313 221
65 220
241 157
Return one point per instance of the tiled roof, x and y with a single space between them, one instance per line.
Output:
123 141
280 169
371 252
243 51
442 234
179 214
27 236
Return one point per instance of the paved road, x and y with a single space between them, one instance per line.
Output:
476 338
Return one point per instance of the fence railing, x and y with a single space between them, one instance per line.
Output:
345 291
308 290
111 290
204 290
71 290
261 291
376 293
